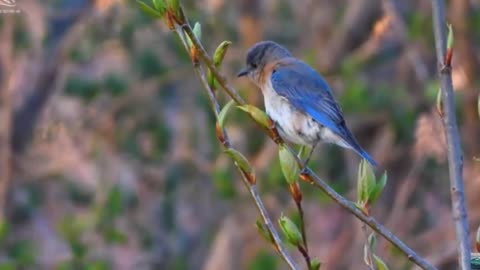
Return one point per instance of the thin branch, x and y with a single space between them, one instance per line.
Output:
252 188
305 255
308 174
315 180
302 224
455 155
297 198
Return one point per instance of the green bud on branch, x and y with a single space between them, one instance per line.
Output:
149 10
175 11
263 230
315 264
197 32
449 54
377 191
223 113
240 160
450 39
258 115
365 182
288 165
160 6
217 60
290 231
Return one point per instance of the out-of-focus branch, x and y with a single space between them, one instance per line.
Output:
63 34
461 16
307 174
251 186
6 77
455 155
356 24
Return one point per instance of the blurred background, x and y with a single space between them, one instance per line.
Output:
109 160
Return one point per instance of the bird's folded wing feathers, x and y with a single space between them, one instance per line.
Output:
306 90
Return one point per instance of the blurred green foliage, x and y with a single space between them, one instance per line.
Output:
264 260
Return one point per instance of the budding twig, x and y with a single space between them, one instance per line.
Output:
308 174
248 178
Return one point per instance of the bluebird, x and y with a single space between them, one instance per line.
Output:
298 99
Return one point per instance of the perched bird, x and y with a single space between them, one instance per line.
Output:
298 99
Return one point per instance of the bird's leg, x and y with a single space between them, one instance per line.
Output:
305 162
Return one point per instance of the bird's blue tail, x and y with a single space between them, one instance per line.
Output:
355 146
366 156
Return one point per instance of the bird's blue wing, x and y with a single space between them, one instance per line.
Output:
308 92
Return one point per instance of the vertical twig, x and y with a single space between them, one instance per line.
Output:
371 265
455 155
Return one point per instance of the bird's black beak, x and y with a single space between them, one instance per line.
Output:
243 72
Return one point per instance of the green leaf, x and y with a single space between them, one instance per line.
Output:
365 182
290 231
223 113
197 31
160 6
149 10
379 263
288 165
174 5
240 160
450 38
262 229
377 191
258 115
315 264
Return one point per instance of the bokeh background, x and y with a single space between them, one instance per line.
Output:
109 160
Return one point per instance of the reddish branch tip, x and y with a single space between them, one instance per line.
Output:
448 57
219 132
295 191
273 130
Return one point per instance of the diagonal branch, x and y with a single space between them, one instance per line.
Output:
252 188
455 155
307 174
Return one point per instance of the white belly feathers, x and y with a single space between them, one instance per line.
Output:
293 125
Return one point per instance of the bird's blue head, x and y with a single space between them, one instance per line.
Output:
261 54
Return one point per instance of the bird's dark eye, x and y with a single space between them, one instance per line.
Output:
254 65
